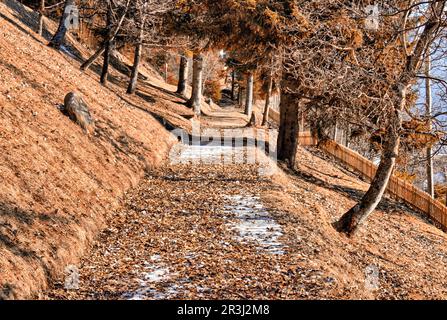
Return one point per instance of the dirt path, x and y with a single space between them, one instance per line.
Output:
188 231
195 229
210 226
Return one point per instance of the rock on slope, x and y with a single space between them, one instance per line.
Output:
56 183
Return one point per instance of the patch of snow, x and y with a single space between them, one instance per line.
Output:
149 293
156 273
156 257
223 154
209 154
254 224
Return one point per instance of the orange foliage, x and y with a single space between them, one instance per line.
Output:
213 89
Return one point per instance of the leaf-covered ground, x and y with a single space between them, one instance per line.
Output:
213 231
179 236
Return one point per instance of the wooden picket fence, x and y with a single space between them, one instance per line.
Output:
397 187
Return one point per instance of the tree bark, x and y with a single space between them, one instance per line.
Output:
334 137
166 70
240 96
265 117
135 69
347 136
136 62
182 75
41 17
93 58
249 93
197 79
428 112
105 66
59 37
287 143
108 49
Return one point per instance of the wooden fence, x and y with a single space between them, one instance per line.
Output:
307 139
274 115
397 187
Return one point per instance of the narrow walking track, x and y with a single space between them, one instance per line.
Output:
196 229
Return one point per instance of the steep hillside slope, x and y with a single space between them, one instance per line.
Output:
56 183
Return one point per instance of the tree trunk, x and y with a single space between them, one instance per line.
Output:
182 75
288 129
351 220
59 37
233 84
41 17
278 101
197 78
166 71
302 121
249 93
93 58
347 136
265 117
135 69
105 66
108 49
240 96
428 113
136 62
